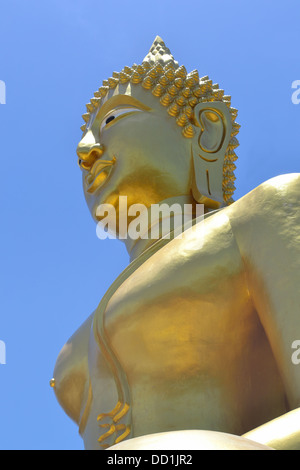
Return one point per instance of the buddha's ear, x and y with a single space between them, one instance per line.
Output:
212 126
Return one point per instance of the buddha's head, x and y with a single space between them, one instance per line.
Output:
153 132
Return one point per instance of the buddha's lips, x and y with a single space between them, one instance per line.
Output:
98 174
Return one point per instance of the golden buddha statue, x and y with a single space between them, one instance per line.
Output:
192 343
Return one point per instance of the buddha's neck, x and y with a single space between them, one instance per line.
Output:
163 226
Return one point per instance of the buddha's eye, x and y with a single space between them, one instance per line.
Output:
117 114
109 119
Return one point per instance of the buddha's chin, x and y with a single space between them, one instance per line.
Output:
100 196
100 203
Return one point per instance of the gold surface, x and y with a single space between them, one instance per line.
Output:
189 440
198 107
52 383
282 433
196 333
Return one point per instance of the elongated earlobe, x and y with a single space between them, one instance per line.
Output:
213 129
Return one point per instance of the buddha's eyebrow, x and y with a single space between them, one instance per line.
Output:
119 100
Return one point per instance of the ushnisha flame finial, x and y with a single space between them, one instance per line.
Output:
160 54
179 92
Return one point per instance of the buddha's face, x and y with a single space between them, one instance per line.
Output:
133 148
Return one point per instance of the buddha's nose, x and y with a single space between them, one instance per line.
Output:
89 150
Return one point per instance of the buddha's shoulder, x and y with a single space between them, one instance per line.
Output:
283 185
274 194
270 212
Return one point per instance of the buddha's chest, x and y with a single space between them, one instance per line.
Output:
183 341
179 313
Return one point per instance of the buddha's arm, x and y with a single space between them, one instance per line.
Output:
282 433
266 223
71 373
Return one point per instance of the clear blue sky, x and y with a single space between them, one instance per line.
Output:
53 56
